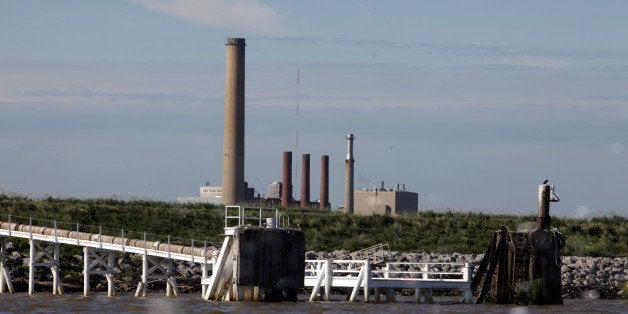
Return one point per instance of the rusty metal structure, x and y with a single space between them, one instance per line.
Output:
286 182
305 180
527 263
233 149
324 187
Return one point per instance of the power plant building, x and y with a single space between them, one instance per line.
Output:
274 190
392 202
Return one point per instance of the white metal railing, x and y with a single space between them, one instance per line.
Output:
425 271
358 274
376 253
236 216
161 246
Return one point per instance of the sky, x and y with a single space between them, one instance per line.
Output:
471 104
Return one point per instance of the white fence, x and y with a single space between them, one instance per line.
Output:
357 274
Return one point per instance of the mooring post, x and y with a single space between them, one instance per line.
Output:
546 248
543 220
503 287
466 276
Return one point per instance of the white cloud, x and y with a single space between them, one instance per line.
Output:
528 60
240 15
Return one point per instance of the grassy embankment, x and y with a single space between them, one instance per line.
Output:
324 231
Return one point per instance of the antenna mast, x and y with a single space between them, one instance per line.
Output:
298 83
296 146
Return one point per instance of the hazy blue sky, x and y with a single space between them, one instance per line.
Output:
471 104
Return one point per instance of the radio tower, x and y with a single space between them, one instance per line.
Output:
296 146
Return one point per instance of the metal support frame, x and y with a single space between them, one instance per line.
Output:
222 274
5 275
156 268
357 274
98 262
43 254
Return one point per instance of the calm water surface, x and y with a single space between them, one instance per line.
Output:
192 303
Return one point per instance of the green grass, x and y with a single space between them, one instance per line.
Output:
427 231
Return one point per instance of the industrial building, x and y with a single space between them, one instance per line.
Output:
235 190
213 195
383 201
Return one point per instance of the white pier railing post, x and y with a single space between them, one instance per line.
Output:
57 287
111 262
5 275
319 269
222 270
204 270
85 270
329 277
367 280
142 286
31 266
358 284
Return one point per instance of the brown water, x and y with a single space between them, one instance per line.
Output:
192 303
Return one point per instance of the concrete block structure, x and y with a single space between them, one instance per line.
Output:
385 202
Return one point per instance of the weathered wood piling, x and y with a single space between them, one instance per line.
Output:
526 264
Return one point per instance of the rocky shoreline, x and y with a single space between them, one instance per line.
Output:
582 277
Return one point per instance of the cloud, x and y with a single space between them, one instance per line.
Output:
241 15
528 61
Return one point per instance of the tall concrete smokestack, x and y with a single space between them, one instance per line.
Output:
233 149
305 180
349 174
324 194
286 185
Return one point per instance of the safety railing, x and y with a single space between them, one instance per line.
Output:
117 239
237 216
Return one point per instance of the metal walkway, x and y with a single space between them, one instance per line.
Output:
99 255
157 262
